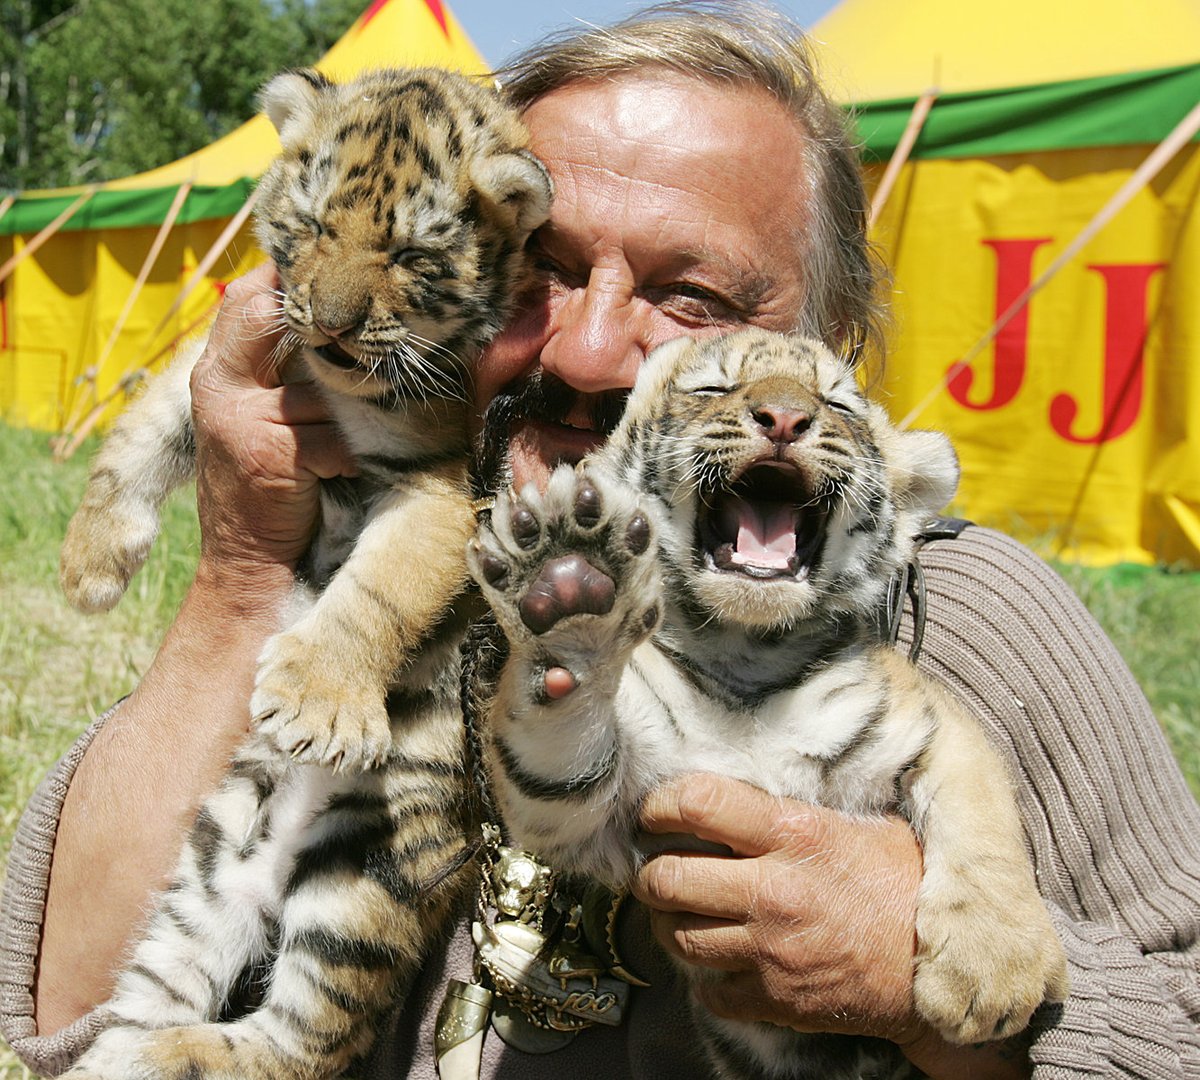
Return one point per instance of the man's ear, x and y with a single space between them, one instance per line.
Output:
923 468
516 181
290 98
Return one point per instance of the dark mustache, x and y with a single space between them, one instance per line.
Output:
540 397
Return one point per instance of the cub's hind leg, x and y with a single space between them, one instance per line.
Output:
211 925
987 954
148 454
370 882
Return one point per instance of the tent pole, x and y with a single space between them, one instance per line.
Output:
126 381
215 252
5 203
916 121
124 385
1147 171
151 258
45 234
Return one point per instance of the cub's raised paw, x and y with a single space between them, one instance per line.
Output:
983 967
314 711
570 573
101 552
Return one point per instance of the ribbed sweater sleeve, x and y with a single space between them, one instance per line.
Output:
21 911
1112 827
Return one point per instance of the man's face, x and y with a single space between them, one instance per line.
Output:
677 207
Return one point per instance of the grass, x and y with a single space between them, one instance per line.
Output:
1150 615
59 669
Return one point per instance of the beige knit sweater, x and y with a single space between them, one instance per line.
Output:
1113 830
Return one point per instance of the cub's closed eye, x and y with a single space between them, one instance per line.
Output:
310 223
711 391
840 406
408 256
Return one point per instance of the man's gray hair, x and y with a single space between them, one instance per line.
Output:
729 41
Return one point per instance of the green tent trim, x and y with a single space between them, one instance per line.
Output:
128 209
1113 110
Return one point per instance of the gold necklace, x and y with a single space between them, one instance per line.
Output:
546 963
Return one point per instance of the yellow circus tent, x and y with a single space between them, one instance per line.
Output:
76 320
1045 250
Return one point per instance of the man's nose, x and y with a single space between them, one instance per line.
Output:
597 337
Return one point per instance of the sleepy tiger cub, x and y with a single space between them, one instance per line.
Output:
699 595
397 216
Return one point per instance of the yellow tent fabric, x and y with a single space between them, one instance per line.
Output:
59 306
875 51
1079 426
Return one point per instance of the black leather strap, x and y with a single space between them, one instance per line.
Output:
909 585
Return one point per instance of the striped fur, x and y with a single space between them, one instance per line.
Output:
308 891
739 640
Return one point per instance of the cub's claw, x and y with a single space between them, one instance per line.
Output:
314 715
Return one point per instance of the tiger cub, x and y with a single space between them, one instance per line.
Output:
700 595
397 216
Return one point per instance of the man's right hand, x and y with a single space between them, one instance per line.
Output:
261 445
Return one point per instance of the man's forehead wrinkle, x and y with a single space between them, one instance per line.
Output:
673 216
622 179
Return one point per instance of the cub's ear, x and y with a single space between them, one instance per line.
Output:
291 96
657 374
923 468
516 181
665 359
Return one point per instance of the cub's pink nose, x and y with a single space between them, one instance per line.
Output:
780 424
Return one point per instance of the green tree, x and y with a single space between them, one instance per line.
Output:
98 89
22 24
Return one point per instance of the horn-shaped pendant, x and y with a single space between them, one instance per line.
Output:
461 1023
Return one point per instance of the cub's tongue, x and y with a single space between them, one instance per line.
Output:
766 534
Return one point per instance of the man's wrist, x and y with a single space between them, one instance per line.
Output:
211 649
248 593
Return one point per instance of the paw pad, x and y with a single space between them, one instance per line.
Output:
568 585
585 546
637 534
495 570
588 507
525 528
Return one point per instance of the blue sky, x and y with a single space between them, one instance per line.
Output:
501 27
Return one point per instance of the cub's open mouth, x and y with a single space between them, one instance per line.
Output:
334 354
770 524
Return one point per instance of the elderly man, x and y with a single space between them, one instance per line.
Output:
703 183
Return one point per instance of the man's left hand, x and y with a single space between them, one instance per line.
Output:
811 917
